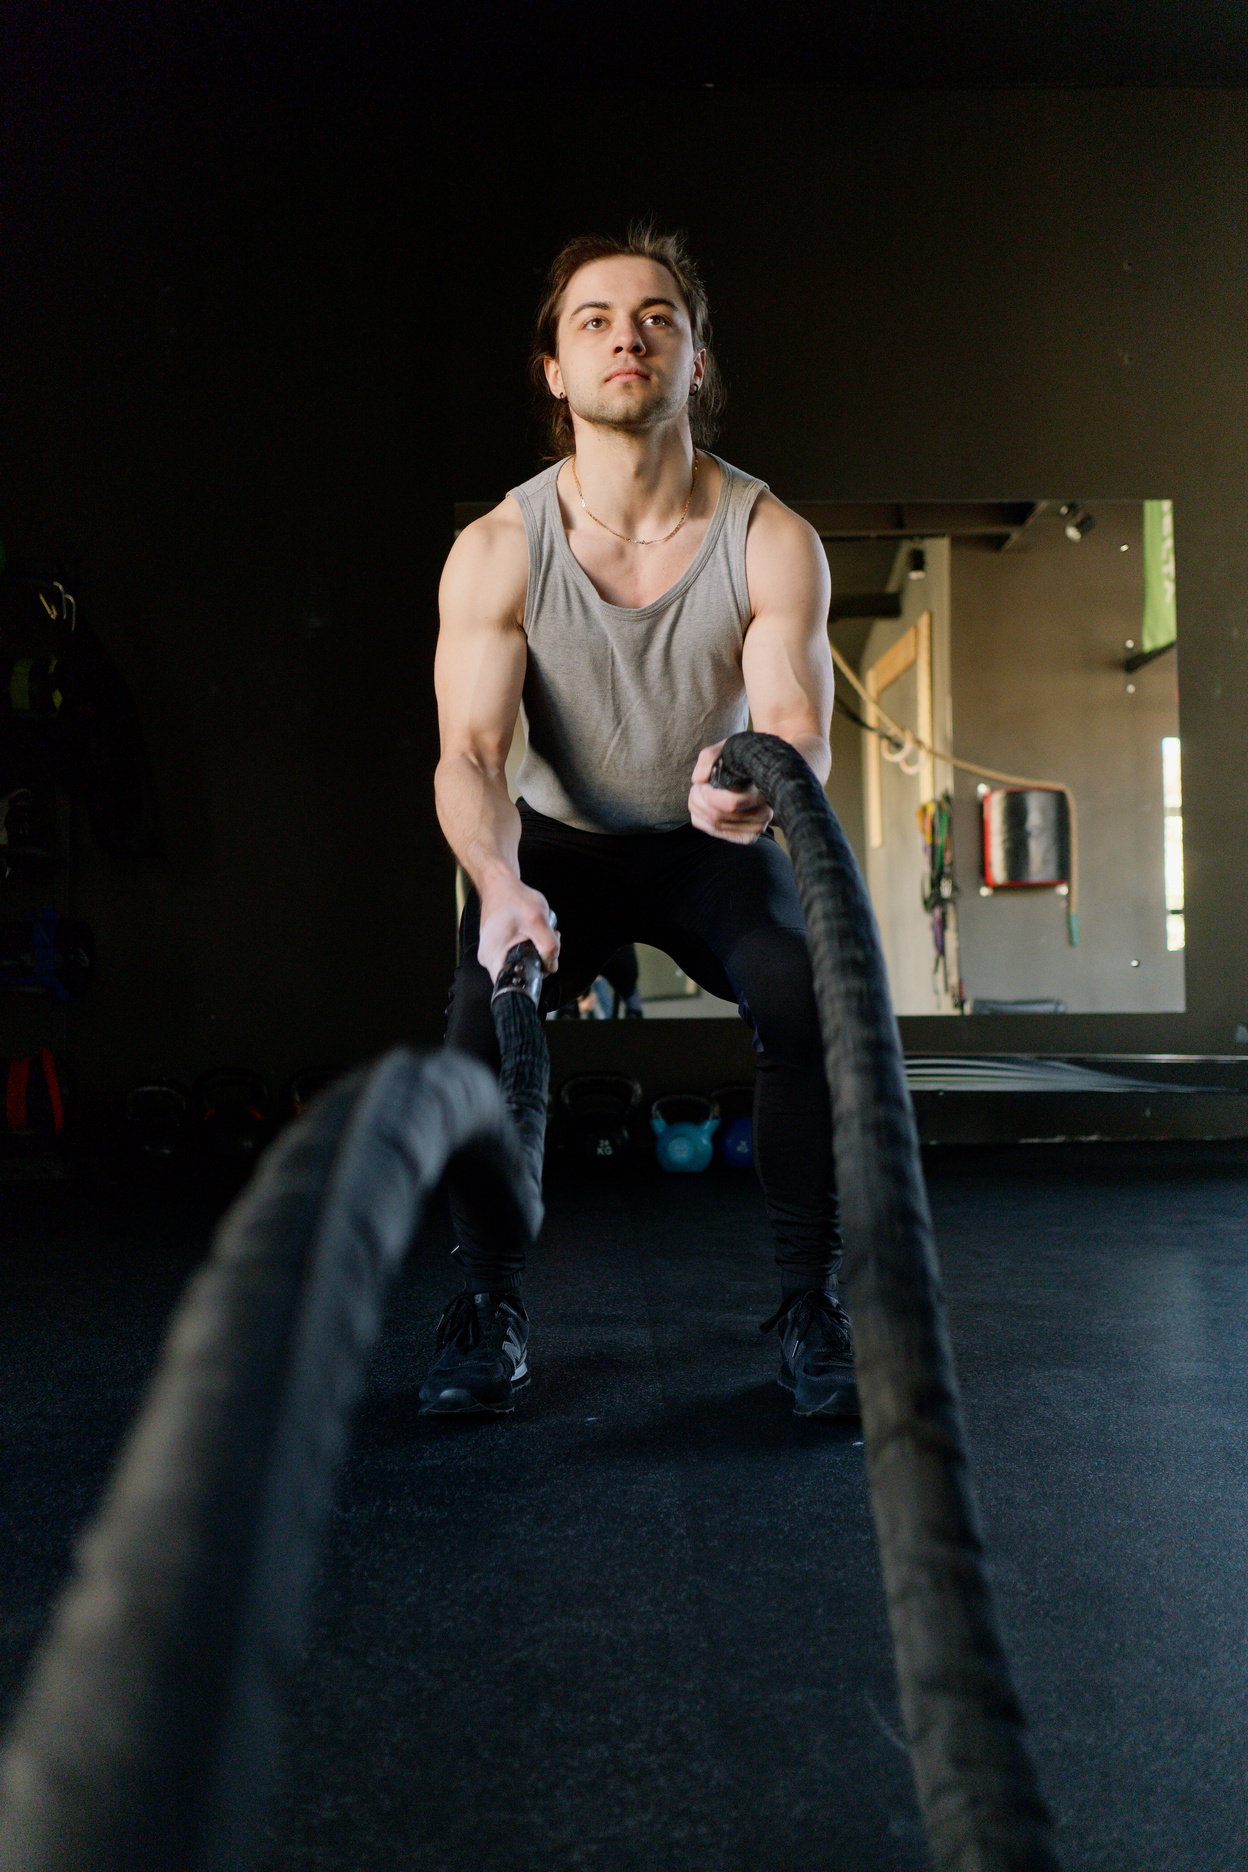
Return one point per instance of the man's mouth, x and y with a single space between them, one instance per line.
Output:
615 376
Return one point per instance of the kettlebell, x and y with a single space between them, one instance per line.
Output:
596 1109
232 1119
735 1141
683 1125
157 1135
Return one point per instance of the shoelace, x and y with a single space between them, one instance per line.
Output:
800 1310
461 1323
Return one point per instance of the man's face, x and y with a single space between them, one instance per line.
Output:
625 348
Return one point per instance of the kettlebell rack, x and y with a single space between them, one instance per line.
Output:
37 872
36 896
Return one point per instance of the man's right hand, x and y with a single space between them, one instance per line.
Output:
510 914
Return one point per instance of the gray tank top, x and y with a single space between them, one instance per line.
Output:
618 702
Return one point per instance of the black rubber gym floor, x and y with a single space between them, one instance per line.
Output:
639 1623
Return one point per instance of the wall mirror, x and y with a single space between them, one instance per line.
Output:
1036 640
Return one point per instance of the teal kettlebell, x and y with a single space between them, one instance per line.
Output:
683 1125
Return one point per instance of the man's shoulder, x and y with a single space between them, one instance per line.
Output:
494 537
536 485
768 514
503 529
489 560
774 524
492 530
786 568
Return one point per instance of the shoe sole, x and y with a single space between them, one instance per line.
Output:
843 1402
452 1403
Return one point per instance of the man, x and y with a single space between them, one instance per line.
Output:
644 599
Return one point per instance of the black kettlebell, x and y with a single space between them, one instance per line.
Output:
596 1108
157 1131
233 1119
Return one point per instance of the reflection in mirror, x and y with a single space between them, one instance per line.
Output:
1035 642
1005 757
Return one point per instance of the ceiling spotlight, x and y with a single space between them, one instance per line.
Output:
1078 520
916 564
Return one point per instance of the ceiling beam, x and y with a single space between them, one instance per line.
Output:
865 605
859 520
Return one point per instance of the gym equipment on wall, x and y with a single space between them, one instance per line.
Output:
69 717
940 893
147 1733
1026 838
684 1125
47 954
33 1105
19 834
596 1108
883 725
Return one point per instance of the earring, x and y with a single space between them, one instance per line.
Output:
694 388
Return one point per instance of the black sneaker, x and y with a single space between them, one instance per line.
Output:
816 1355
481 1363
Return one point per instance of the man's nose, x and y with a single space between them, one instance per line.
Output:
629 338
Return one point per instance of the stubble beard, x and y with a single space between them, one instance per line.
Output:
601 413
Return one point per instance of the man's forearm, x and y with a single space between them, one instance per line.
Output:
815 751
480 823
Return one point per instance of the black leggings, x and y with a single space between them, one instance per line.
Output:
729 916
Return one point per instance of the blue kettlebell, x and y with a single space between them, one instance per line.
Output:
683 1125
735 1142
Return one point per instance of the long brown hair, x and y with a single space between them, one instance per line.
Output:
641 242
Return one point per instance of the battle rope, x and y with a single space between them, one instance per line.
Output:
976 1785
148 1731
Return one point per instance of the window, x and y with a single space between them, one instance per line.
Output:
1172 837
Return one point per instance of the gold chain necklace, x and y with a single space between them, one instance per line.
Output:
684 515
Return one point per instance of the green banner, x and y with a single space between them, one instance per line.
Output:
1160 617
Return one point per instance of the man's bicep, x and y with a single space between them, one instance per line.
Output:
786 661
482 651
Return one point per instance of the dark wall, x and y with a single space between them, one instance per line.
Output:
258 342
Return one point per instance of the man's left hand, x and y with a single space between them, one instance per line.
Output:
738 817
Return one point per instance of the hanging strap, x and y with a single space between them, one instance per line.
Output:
54 1089
15 1094
17 1113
